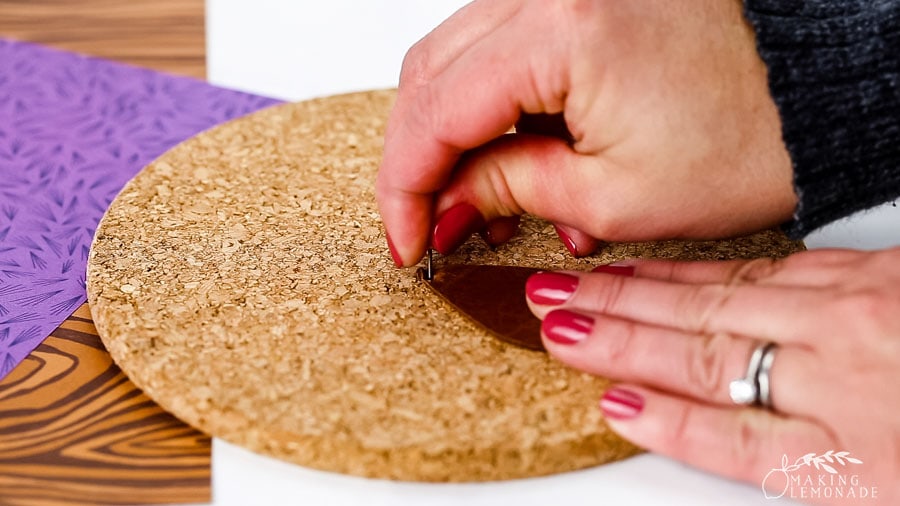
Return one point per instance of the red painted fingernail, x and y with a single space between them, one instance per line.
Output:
394 255
618 270
550 288
455 226
567 241
566 327
621 404
500 230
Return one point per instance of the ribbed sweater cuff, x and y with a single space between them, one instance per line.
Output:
834 72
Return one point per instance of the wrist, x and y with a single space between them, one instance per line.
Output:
833 69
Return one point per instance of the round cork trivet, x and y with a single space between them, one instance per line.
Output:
243 282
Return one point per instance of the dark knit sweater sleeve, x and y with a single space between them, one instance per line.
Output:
834 72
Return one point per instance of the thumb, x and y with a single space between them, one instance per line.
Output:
540 175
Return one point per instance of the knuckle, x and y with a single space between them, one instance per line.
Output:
870 307
618 348
755 270
575 11
485 169
608 224
706 364
416 69
488 166
696 306
606 299
746 443
426 116
682 420
504 196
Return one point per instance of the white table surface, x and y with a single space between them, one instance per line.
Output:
299 49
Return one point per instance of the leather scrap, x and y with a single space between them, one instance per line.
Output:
492 296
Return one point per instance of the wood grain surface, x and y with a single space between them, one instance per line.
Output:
166 35
75 430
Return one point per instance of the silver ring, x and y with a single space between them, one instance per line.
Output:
762 377
754 387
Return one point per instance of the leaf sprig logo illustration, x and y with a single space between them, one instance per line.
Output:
822 462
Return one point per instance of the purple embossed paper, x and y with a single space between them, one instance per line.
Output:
73 131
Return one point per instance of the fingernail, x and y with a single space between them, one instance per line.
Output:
500 230
394 255
565 327
621 404
550 288
567 241
617 269
455 226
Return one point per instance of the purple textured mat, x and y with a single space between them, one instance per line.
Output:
73 130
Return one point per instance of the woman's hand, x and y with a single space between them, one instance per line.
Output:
675 333
673 131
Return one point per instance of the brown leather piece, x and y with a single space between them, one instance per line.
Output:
492 296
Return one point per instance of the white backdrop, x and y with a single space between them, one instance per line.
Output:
299 49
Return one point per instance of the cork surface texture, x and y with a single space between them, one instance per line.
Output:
243 282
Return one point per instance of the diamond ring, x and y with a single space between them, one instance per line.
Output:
754 387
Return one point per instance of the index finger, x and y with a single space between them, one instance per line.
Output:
468 104
419 156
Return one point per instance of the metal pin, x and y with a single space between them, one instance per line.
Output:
429 272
